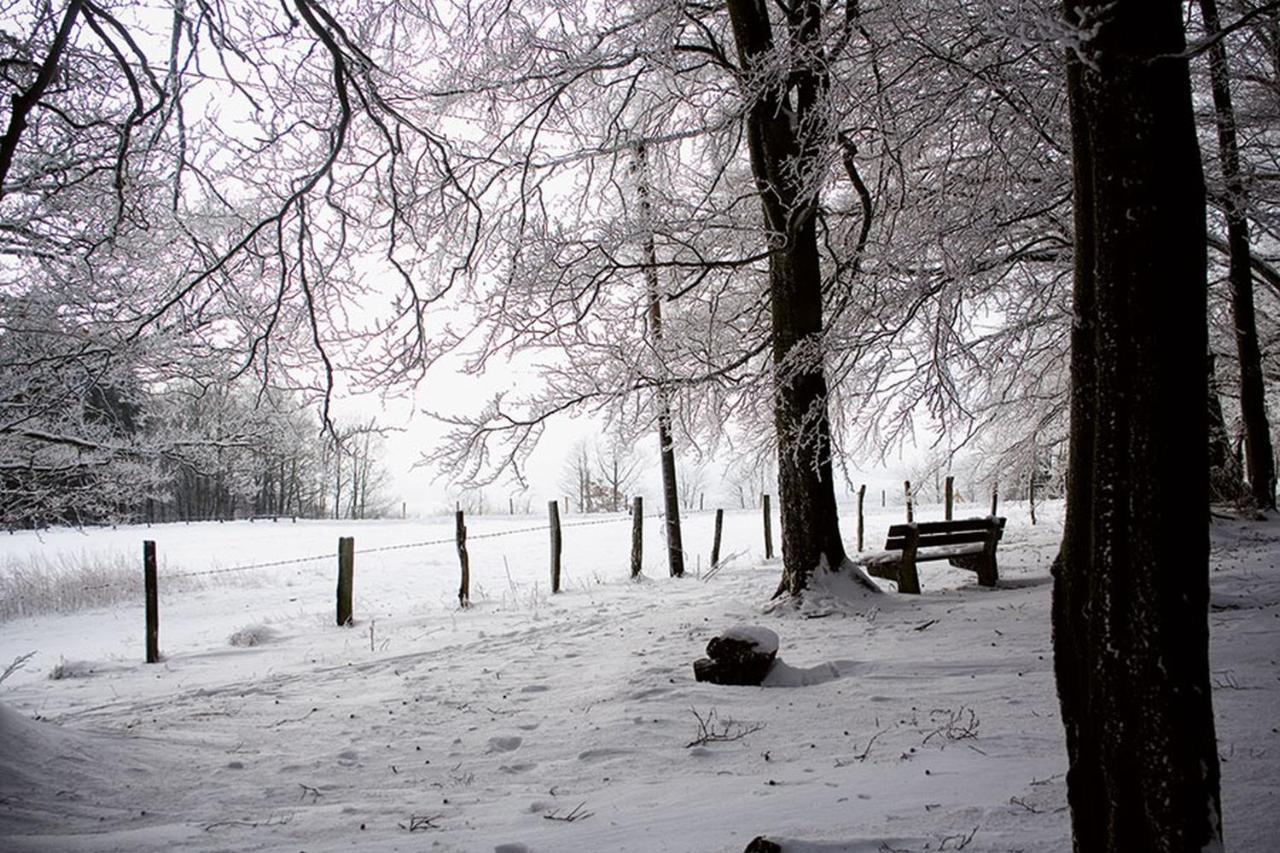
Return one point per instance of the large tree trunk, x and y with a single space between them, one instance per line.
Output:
1130 596
779 110
1259 462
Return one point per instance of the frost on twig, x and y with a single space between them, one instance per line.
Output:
16 665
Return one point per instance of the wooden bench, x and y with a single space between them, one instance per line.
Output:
969 543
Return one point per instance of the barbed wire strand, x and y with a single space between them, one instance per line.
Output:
378 550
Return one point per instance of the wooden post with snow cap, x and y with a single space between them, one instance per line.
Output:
460 535
150 584
346 572
637 536
951 482
768 529
715 543
906 491
862 493
995 496
553 509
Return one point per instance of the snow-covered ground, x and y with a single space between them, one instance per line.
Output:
533 722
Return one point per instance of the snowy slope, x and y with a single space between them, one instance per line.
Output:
571 723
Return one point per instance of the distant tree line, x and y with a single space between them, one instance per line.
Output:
86 449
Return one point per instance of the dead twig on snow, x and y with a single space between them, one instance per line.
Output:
962 840
419 822
576 814
711 729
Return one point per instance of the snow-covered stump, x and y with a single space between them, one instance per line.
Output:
742 655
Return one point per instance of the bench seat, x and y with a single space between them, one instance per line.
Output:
966 543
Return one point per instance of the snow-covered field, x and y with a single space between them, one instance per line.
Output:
533 722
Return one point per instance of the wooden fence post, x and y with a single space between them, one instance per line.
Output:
1031 495
153 600
951 482
906 490
460 535
715 543
882 504
553 509
346 570
768 529
995 496
862 493
637 536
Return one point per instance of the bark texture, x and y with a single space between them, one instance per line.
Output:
1258 455
784 131
1130 597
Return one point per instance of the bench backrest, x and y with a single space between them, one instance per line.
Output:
937 533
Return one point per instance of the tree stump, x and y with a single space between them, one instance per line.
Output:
741 656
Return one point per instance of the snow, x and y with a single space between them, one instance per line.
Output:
764 640
533 723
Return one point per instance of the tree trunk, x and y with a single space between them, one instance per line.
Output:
1130 598
1259 463
782 163
1225 482
666 445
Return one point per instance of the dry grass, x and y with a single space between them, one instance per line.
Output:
33 585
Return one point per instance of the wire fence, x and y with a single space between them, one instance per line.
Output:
444 540
312 558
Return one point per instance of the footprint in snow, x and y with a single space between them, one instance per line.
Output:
602 754
513 848
348 757
522 767
534 688
505 744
